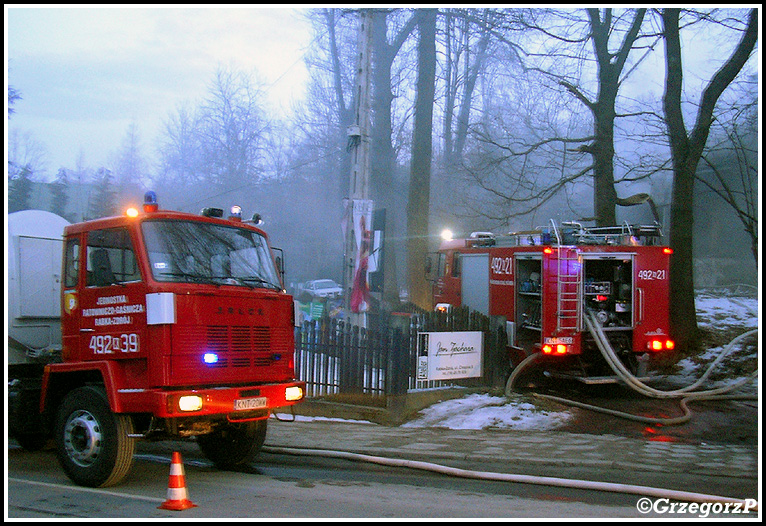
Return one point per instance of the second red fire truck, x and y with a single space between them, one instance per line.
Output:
546 281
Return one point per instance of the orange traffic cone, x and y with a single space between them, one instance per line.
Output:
177 497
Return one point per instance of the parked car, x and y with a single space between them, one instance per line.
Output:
318 289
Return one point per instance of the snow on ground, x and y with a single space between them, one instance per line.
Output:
477 411
482 411
713 311
734 314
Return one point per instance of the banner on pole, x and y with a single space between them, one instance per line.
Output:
362 228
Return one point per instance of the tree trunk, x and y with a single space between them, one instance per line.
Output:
610 66
686 151
418 204
345 114
382 188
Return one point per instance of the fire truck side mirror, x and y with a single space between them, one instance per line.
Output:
432 267
279 260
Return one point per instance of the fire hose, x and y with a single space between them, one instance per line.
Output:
614 487
684 393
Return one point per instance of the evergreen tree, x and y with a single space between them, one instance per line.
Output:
60 193
19 188
104 201
13 96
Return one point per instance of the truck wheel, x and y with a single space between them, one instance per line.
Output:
234 445
92 443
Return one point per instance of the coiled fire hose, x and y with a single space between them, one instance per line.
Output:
626 376
684 393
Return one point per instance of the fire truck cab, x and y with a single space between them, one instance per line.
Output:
546 281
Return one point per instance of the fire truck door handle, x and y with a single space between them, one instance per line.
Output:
640 306
87 330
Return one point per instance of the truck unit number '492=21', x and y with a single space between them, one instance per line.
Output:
111 344
502 265
652 274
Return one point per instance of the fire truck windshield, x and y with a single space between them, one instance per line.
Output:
196 252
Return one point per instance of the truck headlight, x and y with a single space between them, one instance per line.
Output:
293 393
190 403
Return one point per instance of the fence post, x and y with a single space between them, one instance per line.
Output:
397 374
497 352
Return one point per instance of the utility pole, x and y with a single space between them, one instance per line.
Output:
358 204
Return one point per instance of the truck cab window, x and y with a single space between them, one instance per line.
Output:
456 264
111 258
205 253
71 262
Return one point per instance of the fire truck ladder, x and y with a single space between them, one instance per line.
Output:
569 307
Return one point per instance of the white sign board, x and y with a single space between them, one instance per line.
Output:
450 355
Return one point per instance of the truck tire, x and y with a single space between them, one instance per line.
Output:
234 445
92 443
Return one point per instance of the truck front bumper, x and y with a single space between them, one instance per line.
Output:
235 403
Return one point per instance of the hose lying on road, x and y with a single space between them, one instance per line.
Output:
511 477
616 364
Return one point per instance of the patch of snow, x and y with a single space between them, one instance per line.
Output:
716 311
482 411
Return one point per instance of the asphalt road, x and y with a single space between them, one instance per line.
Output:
284 486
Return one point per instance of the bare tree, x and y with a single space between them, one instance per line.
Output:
604 27
467 37
180 164
418 204
232 128
590 54
732 165
130 167
610 70
686 150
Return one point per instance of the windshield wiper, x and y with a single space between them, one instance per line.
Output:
260 280
194 278
220 280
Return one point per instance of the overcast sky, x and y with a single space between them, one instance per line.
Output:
86 74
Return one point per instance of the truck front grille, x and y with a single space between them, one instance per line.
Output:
234 346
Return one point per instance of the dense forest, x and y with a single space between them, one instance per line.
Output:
479 119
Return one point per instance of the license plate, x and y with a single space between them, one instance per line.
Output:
250 403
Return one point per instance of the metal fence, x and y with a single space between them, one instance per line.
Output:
366 366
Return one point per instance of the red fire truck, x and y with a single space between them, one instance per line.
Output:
153 325
545 281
